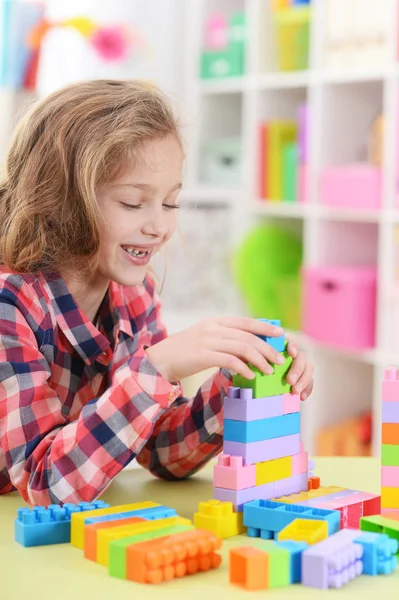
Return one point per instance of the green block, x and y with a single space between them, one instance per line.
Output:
226 63
279 563
290 172
381 524
389 455
267 385
117 548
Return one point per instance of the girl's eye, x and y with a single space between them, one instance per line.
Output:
130 206
171 206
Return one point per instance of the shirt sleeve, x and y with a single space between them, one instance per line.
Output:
190 431
48 458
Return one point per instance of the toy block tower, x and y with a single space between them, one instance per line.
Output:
263 456
390 441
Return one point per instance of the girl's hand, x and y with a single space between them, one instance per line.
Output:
300 375
224 343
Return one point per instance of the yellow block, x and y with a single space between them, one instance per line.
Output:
106 536
389 497
305 530
273 470
219 517
78 519
303 496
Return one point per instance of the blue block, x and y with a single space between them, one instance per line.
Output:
378 553
295 549
151 514
42 526
263 429
263 516
278 343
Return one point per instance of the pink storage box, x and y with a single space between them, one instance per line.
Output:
353 186
339 305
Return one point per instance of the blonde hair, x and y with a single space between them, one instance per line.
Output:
69 143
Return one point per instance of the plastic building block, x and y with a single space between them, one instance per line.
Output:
42 526
390 385
240 405
279 563
173 556
249 568
390 412
291 403
378 553
271 470
390 514
291 485
278 343
117 548
295 549
390 433
219 518
148 514
306 498
333 562
264 429
300 463
381 524
78 519
390 476
233 474
267 385
389 455
389 497
314 482
304 530
90 534
265 518
255 452
106 536
351 504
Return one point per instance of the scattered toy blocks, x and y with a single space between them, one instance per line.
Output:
42 526
265 518
304 530
233 474
148 514
249 568
333 562
219 518
314 483
378 553
279 563
295 549
78 519
381 524
90 534
173 556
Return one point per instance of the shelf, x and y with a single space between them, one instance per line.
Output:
301 211
346 214
286 210
275 81
233 85
210 195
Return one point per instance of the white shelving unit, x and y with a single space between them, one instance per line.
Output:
342 104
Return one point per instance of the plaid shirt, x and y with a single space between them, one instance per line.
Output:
79 402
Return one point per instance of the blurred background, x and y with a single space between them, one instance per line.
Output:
289 111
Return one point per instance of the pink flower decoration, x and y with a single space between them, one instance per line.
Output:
111 43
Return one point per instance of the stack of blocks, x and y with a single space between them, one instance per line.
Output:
262 456
390 442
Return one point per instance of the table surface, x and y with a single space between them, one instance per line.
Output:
61 572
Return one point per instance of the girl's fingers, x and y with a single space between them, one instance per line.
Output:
297 368
243 351
307 391
304 380
234 364
268 352
251 326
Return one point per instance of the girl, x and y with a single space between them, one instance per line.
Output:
89 379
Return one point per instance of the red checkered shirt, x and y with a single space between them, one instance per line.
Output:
78 402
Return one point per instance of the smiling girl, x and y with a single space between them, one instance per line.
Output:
89 378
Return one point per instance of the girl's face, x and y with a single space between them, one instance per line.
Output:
140 212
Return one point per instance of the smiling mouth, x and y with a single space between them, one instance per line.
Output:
136 252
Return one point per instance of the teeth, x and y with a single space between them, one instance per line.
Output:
138 253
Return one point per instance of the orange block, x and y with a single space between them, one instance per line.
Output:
90 534
313 483
249 568
390 433
172 556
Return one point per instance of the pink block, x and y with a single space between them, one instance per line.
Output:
291 403
343 501
300 463
340 305
390 476
390 385
231 473
355 186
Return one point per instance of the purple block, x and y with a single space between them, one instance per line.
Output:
255 452
334 561
290 485
252 409
320 500
240 497
311 465
390 412
303 133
